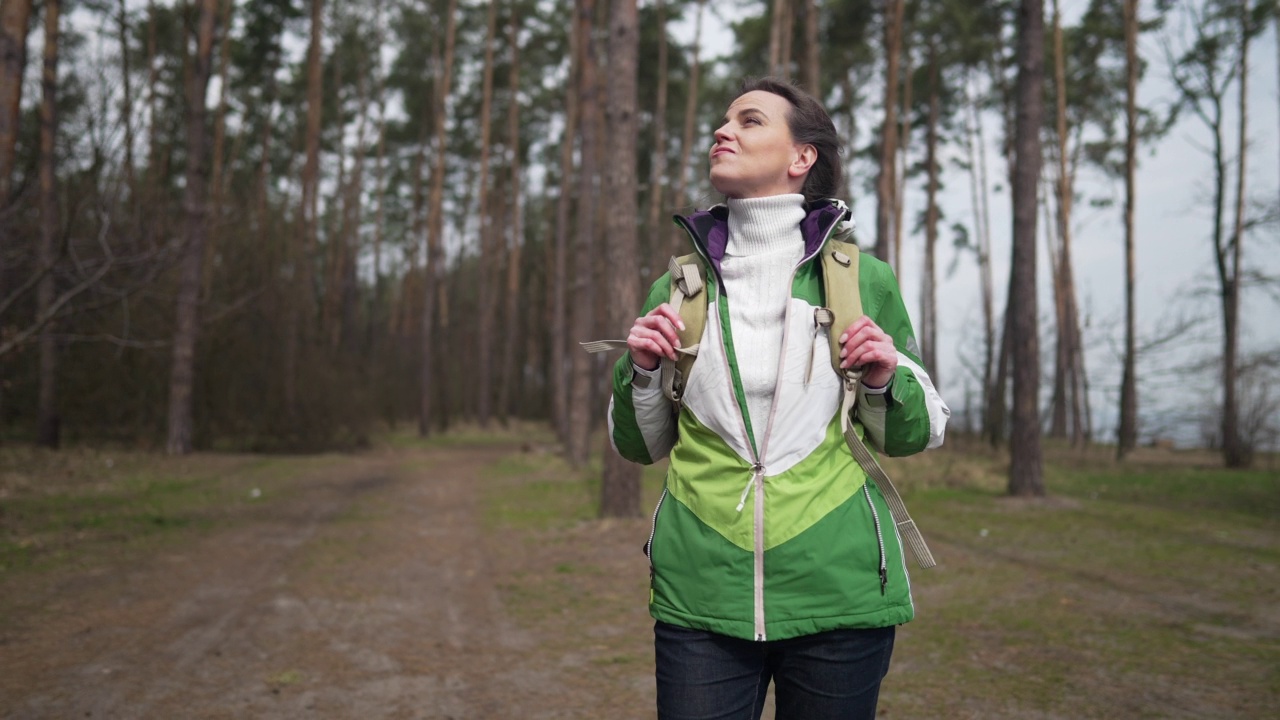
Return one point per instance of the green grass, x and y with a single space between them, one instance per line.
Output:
1138 590
1135 591
66 506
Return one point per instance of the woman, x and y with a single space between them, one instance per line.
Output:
805 587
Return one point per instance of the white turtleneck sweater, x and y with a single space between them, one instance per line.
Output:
764 247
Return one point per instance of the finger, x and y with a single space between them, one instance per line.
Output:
663 325
660 342
857 325
857 339
880 354
668 312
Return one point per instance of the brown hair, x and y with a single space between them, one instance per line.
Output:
810 125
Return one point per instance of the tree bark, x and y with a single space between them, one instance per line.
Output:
559 271
1026 466
216 180
196 206
978 191
126 107
377 302
435 242
47 434
1235 451
690 115
353 216
812 58
786 32
15 16
1127 436
775 37
928 288
301 297
657 250
1062 350
488 254
509 378
620 486
904 145
582 310
886 183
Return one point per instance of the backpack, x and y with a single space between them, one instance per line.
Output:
844 305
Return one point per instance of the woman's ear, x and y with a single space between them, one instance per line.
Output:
805 157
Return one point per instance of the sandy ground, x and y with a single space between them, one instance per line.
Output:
373 593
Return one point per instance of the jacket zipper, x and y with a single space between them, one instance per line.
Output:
875 518
653 529
757 466
768 430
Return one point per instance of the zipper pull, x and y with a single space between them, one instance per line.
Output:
884 580
756 471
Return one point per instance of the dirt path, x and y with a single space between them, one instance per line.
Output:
368 593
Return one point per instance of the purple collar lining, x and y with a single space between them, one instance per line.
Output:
711 229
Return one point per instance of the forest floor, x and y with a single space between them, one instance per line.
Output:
466 577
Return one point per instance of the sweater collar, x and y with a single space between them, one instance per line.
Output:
709 228
766 224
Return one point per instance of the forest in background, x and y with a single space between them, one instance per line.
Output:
282 225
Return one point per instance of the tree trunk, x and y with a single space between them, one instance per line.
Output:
690 115
47 434
1235 450
353 216
126 107
1062 354
331 266
886 183
904 145
509 378
657 250
216 180
998 409
929 300
620 486
812 58
1025 470
775 37
488 254
15 16
301 298
786 32
196 205
376 303
435 242
582 310
1127 436
978 190
559 271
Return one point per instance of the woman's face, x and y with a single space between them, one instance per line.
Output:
754 154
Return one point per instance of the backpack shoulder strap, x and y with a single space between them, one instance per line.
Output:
688 297
844 306
843 297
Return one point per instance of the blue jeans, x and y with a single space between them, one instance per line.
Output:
705 676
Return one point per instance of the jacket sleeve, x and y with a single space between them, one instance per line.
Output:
642 427
913 417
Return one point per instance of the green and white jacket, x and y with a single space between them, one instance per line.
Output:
789 538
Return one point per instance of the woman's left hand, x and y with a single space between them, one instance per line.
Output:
867 345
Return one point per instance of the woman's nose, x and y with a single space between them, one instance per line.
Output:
722 133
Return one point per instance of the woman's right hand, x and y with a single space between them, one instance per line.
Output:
654 337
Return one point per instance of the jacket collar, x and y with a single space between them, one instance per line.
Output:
709 229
